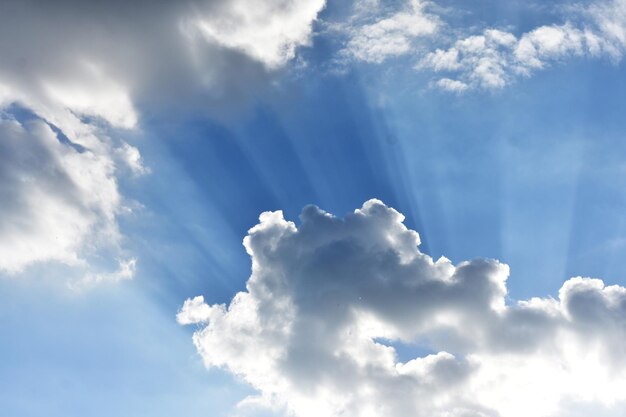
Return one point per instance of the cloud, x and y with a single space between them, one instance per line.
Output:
391 36
195 310
315 329
451 85
85 73
132 158
57 197
496 58
120 55
490 59
610 18
125 271
61 166
88 92
268 31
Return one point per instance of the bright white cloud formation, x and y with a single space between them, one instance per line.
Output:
308 333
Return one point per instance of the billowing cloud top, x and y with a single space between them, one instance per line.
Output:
327 301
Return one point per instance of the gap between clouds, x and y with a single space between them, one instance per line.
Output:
306 332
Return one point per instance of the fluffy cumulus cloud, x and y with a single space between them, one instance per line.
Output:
314 331
83 73
495 58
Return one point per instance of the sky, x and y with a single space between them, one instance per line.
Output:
294 208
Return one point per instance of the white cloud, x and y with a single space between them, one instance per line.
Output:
610 17
60 168
491 59
132 158
549 42
126 270
60 192
89 92
390 36
55 197
269 31
159 55
307 331
496 58
195 311
451 85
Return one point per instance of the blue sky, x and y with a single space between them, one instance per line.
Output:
133 168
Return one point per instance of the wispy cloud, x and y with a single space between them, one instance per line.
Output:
375 38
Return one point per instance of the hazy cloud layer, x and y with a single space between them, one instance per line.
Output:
314 330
